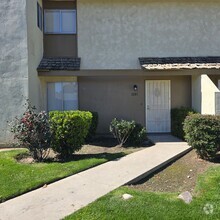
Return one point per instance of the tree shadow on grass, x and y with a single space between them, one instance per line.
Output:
78 157
75 157
110 142
107 156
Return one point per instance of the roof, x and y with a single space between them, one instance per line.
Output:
59 63
177 63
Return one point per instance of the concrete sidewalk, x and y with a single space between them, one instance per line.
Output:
69 195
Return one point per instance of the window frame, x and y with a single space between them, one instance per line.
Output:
62 82
39 16
218 84
60 20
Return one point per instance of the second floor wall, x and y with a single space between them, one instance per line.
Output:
113 34
59 44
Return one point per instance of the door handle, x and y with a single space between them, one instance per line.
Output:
148 107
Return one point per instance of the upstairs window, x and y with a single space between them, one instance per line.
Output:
39 17
60 21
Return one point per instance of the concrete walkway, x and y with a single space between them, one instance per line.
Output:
69 195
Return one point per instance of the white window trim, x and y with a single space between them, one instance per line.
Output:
60 17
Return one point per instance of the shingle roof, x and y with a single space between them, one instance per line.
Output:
59 63
168 63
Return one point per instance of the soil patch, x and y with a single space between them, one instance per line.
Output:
179 176
109 145
99 146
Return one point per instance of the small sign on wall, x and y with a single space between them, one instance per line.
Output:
134 94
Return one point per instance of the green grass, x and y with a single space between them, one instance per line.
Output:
164 206
17 178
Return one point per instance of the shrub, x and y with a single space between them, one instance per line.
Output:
202 133
93 127
32 131
121 129
69 130
178 116
138 135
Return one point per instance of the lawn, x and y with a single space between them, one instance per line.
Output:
17 178
150 205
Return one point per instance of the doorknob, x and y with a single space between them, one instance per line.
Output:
148 107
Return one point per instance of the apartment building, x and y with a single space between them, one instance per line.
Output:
128 59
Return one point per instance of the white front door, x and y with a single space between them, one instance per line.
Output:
158 106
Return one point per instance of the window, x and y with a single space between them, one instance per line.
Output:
39 17
60 21
62 96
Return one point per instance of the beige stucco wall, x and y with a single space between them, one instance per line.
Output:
112 96
13 63
209 90
204 93
35 53
113 34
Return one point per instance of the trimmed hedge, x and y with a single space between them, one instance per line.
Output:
138 135
93 127
178 116
69 130
203 134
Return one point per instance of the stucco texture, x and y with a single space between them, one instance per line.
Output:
113 34
13 63
209 91
35 53
113 96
